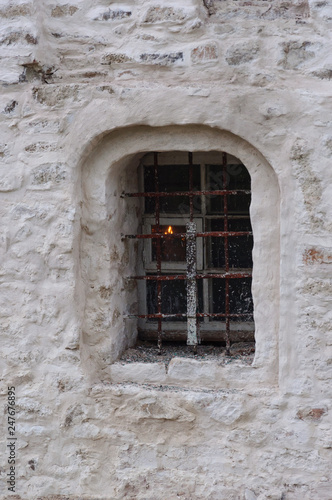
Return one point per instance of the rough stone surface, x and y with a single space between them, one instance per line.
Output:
87 88
204 53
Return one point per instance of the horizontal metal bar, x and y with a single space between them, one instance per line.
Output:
212 234
169 277
198 315
165 277
225 275
222 315
223 233
221 216
155 194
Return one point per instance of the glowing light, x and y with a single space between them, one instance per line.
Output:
169 230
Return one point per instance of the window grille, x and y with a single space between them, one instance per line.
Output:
197 242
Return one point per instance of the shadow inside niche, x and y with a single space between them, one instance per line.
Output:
147 352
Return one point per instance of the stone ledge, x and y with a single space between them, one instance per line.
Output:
141 373
189 373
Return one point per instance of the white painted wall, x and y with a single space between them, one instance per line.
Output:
87 88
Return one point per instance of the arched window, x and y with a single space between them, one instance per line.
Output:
195 251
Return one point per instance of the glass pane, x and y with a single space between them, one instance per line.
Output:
172 249
239 247
216 247
172 178
238 203
237 177
240 298
218 297
214 182
214 177
173 298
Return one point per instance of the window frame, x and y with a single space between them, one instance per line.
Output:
206 324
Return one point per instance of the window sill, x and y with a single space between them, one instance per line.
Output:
190 373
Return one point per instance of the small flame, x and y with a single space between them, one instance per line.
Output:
169 230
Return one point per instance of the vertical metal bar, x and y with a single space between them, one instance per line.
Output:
226 250
192 338
191 187
206 296
192 322
157 220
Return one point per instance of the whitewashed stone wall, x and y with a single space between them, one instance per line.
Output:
87 87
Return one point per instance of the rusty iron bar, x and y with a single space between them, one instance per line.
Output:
155 194
226 252
226 275
191 284
183 235
191 187
157 221
171 277
184 315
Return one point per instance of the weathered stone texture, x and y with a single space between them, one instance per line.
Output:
204 53
87 87
159 14
64 10
162 59
242 53
258 9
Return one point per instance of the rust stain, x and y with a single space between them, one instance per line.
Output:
314 256
311 414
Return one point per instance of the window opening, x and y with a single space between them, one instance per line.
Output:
198 247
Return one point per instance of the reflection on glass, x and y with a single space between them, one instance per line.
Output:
236 177
172 249
173 298
239 247
172 178
240 298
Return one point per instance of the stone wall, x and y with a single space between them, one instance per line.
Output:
88 87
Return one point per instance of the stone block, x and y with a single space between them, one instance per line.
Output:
323 74
139 373
163 14
318 255
257 9
55 95
242 53
14 37
40 147
115 58
35 70
64 10
192 373
295 53
154 406
203 53
48 174
311 413
162 59
113 15
12 10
